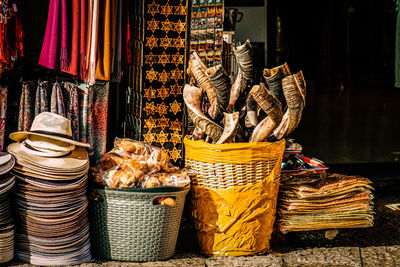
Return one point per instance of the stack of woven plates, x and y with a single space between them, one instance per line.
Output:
52 225
6 222
312 201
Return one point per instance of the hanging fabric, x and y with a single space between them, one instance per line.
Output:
82 49
99 119
57 101
3 111
91 47
116 75
103 69
48 55
73 108
25 108
73 67
41 103
64 37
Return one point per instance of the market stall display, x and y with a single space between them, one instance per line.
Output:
313 201
52 226
137 203
7 182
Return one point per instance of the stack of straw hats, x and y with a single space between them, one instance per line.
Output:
52 225
6 221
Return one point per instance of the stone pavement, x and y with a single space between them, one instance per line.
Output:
338 256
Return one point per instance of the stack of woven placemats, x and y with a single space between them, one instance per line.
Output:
6 221
310 201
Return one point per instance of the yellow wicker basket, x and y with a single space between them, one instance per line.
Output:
234 195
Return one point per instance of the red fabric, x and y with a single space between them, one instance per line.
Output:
82 49
73 66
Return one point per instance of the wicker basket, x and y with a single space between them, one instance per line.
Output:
127 226
234 195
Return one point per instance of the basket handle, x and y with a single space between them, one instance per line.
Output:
169 201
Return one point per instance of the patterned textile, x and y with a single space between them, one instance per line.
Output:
25 108
73 108
83 112
57 101
3 111
99 118
42 102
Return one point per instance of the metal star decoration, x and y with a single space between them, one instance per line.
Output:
150 93
150 108
152 42
179 43
175 154
180 26
162 138
150 59
163 59
153 8
176 75
176 125
176 89
151 75
163 122
166 10
177 59
165 42
176 138
175 107
163 92
163 77
180 10
162 109
150 123
167 25
153 25
149 137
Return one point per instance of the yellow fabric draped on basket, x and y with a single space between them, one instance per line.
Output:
236 219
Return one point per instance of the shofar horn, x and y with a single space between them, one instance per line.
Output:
251 119
243 55
192 97
231 122
268 102
281 130
294 88
198 70
273 78
221 84
198 134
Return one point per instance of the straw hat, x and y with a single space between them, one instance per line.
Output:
7 162
49 125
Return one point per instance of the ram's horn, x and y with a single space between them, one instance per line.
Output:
198 69
268 102
263 130
198 134
221 84
192 97
231 122
251 119
244 60
294 88
273 78
281 130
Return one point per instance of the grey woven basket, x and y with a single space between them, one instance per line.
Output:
127 226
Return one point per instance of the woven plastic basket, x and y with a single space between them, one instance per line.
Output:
234 195
127 226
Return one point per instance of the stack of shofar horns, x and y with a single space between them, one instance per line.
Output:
268 113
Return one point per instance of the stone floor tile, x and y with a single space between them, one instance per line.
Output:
380 256
265 260
340 256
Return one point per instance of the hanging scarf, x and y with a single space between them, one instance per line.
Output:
116 75
100 115
3 111
103 69
57 101
74 62
92 41
73 108
82 50
25 108
48 55
64 37
128 45
41 103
